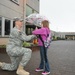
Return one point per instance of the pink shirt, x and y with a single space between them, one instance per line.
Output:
43 32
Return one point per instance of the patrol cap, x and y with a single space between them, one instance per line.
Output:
17 19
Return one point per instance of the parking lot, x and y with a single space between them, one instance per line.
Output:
61 57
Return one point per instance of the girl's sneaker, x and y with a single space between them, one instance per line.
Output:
38 69
45 73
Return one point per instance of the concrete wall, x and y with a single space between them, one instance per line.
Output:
3 41
9 9
33 4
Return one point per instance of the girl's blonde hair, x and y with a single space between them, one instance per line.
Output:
45 23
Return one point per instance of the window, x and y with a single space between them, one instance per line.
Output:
33 11
0 26
15 1
29 29
28 10
7 27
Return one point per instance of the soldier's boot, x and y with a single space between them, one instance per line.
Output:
1 64
21 71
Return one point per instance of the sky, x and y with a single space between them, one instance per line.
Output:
61 14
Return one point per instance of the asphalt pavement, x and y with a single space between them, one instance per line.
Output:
61 55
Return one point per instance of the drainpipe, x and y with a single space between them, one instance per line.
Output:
24 13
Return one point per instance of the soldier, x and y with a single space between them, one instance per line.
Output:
15 50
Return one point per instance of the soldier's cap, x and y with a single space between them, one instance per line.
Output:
17 19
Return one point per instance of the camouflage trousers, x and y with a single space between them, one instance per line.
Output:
15 55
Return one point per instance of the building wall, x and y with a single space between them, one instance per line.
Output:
34 4
66 35
9 9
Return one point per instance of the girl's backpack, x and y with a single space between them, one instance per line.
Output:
48 40
46 43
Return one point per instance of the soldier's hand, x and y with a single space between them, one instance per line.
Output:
34 37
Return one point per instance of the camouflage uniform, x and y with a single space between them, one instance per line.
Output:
15 50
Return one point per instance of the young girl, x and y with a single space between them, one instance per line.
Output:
43 31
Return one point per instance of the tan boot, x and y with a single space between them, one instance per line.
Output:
21 71
1 64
